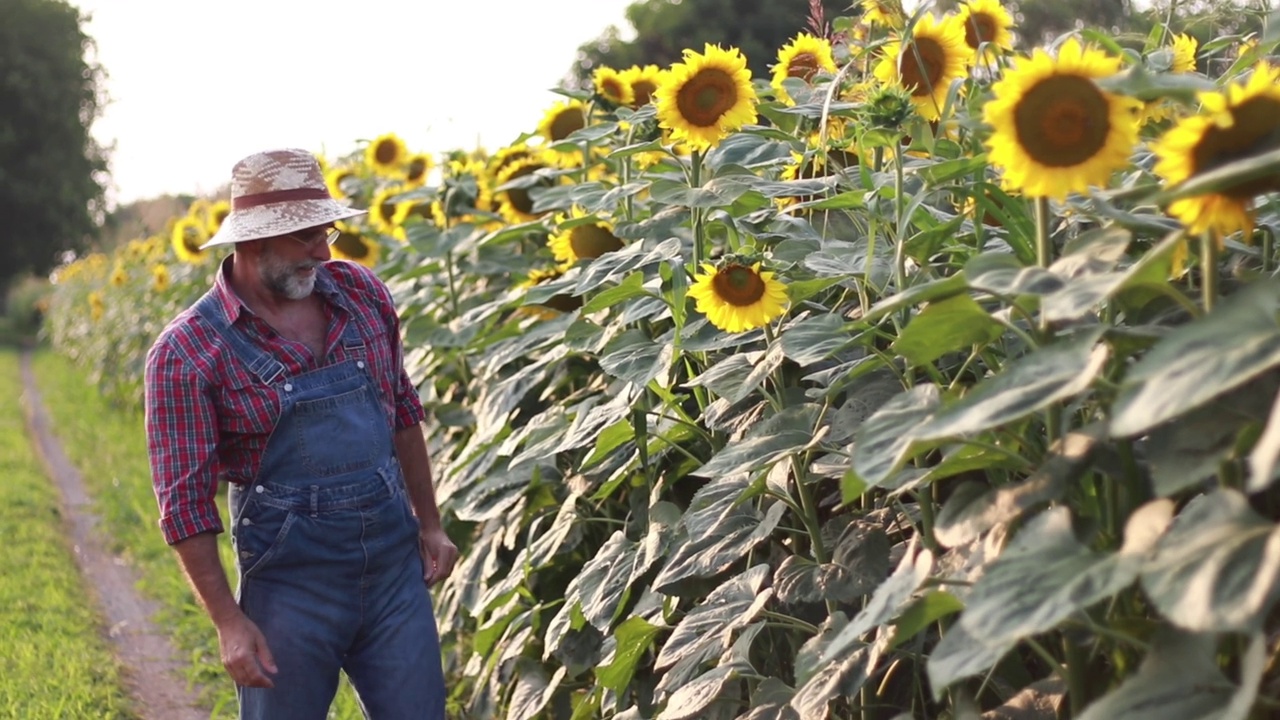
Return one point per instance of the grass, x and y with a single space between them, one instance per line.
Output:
54 659
107 443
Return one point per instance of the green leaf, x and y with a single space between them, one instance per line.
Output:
924 612
605 580
1026 385
946 325
884 440
588 424
634 637
737 376
815 338
784 433
1201 360
1004 275
734 536
859 563
631 287
532 690
635 357
707 628
925 292
960 655
496 494
1265 456
1180 680
1217 567
972 509
693 700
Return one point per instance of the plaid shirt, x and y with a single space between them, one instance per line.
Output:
208 418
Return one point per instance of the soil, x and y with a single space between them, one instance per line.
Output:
152 670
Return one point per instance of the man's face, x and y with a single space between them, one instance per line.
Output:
288 264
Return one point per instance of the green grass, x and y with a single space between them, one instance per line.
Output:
108 444
54 659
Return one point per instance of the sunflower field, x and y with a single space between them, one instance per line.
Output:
923 378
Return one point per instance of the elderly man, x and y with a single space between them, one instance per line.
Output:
286 380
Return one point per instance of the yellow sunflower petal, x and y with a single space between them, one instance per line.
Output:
986 21
386 154
804 57
935 56
737 297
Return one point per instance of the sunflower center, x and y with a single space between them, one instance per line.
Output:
191 241
351 246
738 285
566 122
803 66
1063 121
921 64
519 197
706 97
643 90
611 89
385 152
979 28
1256 122
592 241
417 168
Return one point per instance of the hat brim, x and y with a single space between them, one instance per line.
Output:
266 221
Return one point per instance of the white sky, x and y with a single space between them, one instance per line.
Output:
194 88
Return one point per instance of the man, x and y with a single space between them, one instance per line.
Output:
286 379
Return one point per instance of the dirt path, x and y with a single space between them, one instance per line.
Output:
152 669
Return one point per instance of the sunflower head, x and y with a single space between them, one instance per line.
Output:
737 296
515 203
160 277
416 168
386 154
642 82
707 96
353 246
888 13
1239 122
803 58
188 234
612 87
386 215
556 304
1054 130
926 64
337 179
887 107
582 237
986 22
119 276
97 306
562 120
1184 53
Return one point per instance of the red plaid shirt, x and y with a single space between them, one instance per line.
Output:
208 418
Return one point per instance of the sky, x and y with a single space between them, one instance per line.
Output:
192 92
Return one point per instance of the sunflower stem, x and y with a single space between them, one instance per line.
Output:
1208 270
695 182
1044 247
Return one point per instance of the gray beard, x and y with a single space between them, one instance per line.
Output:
282 277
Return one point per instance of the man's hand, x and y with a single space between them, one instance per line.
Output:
245 654
438 555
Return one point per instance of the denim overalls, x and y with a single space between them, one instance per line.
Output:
327 548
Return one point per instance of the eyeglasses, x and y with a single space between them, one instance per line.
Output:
315 237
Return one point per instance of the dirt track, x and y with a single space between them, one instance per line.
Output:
151 665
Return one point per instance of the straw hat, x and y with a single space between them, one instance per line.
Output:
275 193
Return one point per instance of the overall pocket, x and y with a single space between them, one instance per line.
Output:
259 535
334 433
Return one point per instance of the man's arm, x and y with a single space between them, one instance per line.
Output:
245 654
438 551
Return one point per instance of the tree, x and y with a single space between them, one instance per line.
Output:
51 169
664 28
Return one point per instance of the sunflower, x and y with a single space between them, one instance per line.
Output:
186 238
888 13
119 276
218 212
97 306
737 297
643 82
508 155
160 277
706 97
562 120
469 191
353 246
926 65
385 214
335 179
386 154
515 203
611 86
986 21
1184 53
1241 122
578 240
1055 131
554 305
416 168
804 57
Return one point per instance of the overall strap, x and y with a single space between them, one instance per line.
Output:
259 362
352 341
